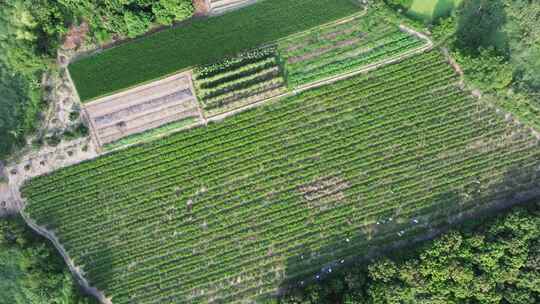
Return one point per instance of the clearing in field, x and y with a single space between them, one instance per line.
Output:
429 10
166 52
143 108
288 191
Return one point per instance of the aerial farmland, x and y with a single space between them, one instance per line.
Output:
268 145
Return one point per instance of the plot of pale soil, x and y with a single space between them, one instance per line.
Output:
218 7
202 7
142 108
40 162
8 205
49 159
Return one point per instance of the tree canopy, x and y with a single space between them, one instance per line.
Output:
31 271
495 262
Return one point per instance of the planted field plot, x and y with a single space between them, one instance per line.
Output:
143 108
285 192
234 82
338 48
210 39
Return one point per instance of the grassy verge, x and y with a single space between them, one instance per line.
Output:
200 41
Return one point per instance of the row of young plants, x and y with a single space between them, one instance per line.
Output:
116 185
218 211
239 80
322 63
319 53
166 52
204 215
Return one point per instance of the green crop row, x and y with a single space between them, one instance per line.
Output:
234 63
238 73
220 213
319 53
240 83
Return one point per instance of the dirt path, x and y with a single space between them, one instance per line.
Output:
202 8
456 67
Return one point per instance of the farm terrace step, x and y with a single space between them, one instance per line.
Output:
282 192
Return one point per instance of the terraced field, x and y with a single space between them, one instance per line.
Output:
288 191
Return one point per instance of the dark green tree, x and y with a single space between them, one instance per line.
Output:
479 24
31 271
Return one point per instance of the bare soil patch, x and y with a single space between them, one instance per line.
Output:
142 108
202 8
218 7
327 36
324 192
8 205
75 36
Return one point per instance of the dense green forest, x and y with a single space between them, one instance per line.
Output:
31 31
31 271
497 261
